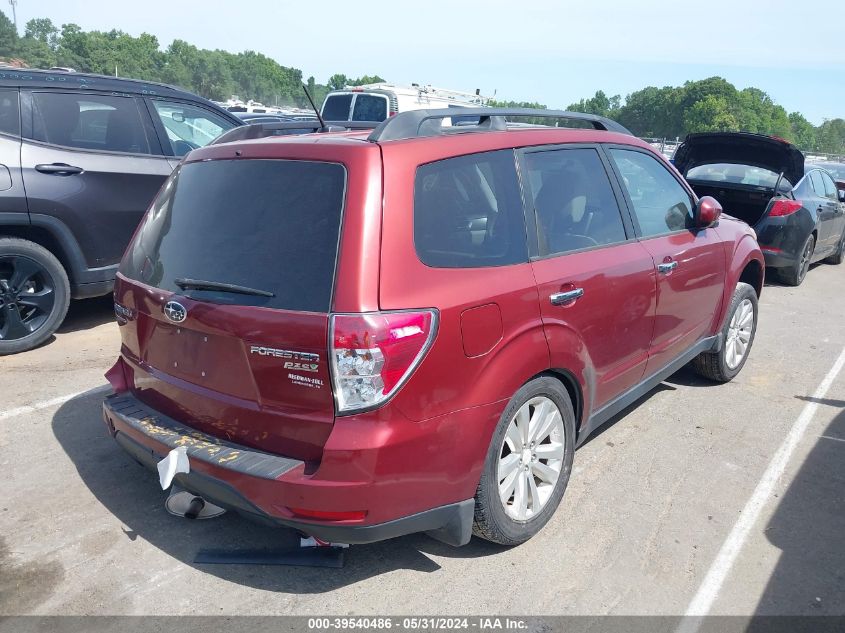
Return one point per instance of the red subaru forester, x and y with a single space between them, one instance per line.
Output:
362 335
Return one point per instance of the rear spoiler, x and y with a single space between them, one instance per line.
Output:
286 128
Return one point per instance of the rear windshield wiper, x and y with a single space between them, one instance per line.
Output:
199 284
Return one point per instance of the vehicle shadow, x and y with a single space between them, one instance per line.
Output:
809 529
624 412
88 313
773 281
688 377
132 494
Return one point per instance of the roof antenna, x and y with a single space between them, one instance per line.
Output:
316 111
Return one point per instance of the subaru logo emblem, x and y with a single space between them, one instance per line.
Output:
175 311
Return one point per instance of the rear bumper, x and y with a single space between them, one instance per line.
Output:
778 259
263 487
782 238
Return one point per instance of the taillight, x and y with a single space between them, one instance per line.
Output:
374 353
784 207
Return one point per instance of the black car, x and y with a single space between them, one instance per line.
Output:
797 212
81 157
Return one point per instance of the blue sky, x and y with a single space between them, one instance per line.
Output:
551 52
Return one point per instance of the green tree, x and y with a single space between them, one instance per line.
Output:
43 30
599 104
366 79
803 132
8 37
652 112
36 53
710 114
337 82
830 136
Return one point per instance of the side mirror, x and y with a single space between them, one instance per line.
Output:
841 195
708 212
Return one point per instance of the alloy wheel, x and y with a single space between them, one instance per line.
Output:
531 458
740 330
27 297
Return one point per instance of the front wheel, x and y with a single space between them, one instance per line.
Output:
528 464
737 338
34 295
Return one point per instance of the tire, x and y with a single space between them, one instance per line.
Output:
722 366
34 288
795 274
493 521
839 255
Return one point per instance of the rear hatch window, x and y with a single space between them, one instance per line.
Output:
266 225
229 239
336 107
370 108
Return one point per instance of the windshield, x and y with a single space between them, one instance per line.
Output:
737 175
271 225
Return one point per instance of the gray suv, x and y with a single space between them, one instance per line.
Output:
81 157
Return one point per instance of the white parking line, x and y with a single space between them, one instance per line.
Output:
721 567
46 404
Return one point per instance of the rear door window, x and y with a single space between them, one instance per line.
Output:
468 212
829 187
269 225
89 121
10 119
818 183
369 108
660 204
336 107
573 201
188 126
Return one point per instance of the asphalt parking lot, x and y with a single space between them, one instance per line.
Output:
652 522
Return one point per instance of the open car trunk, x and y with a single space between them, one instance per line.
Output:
743 171
748 204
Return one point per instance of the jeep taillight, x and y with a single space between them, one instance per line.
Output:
374 353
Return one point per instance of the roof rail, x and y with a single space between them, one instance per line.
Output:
417 123
283 128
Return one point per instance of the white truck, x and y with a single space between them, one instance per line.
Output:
376 102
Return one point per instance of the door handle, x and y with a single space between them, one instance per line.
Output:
570 296
61 169
666 267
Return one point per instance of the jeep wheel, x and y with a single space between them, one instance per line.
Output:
528 464
737 338
34 295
